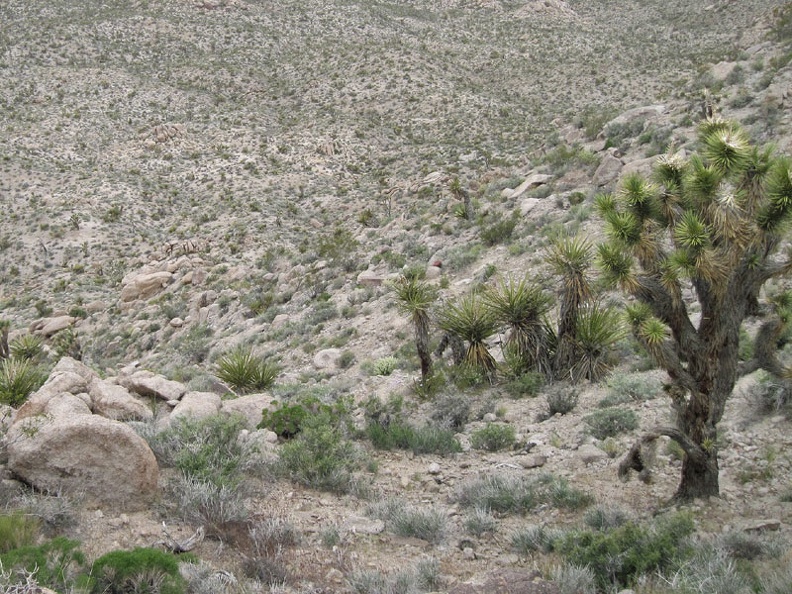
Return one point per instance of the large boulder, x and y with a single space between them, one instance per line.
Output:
147 383
145 285
116 402
250 407
197 405
98 458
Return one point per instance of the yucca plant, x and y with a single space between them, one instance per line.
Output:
245 372
570 258
709 225
28 346
470 319
18 380
598 328
414 297
521 307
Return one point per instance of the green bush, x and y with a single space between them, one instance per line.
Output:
609 422
382 366
421 440
493 437
408 521
204 449
499 231
141 570
245 372
618 557
17 530
626 387
286 420
19 378
321 456
527 384
55 563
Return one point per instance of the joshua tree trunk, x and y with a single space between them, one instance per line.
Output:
4 352
421 323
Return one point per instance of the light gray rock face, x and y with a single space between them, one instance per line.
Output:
145 285
49 326
101 459
147 383
326 358
197 405
116 402
589 454
250 407
608 171
533 181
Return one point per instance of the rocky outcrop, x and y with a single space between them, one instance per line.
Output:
144 286
147 383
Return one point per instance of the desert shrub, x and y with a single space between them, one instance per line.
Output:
619 556
511 494
533 539
382 366
141 570
27 347
609 422
574 579
203 449
219 508
321 456
54 511
527 384
286 420
19 378
561 399
245 372
346 360
55 563
480 521
202 578
498 231
605 518
451 410
428 524
17 530
626 387
426 439
771 395
493 437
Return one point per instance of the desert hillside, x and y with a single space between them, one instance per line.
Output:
185 181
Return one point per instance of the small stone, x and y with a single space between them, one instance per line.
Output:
434 468
769 525
468 553
489 418
535 461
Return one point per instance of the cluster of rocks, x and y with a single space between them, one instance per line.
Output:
71 435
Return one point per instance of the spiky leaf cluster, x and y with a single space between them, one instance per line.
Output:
470 319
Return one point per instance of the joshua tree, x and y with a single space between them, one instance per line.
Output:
710 227
470 319
414 297
522 307
4 326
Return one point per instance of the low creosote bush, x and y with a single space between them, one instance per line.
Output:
55 563
626 387
619 556
609 422
143 570
493 437
321 456
17 530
